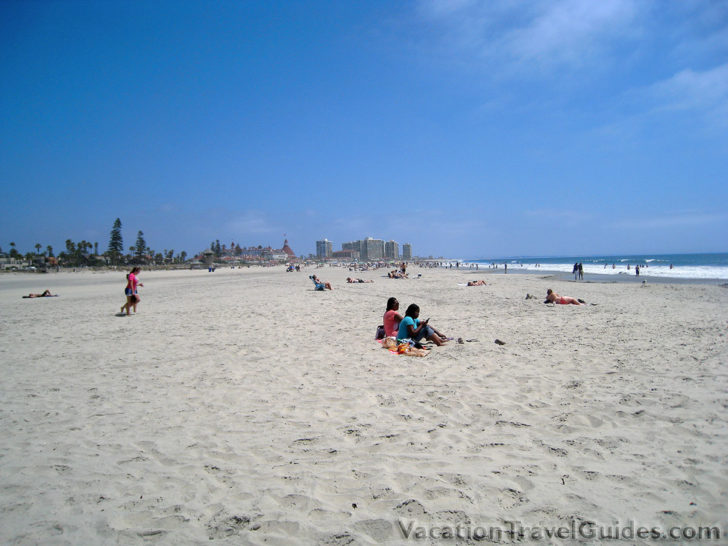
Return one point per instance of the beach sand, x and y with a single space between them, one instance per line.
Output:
244 407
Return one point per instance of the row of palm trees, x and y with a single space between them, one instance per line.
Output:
29 255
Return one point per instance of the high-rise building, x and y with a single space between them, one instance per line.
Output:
353 245
391 250
372 249
323 249
406 251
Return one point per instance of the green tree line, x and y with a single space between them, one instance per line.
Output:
77 254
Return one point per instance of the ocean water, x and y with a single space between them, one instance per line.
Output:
684 266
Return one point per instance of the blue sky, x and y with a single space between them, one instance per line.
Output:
469 129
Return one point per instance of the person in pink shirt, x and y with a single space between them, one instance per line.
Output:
392 318
132 298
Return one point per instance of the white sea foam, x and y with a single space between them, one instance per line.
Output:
663 271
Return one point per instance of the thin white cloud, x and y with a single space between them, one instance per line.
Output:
531 34
572 216
251 222
704 92
568 30
678 220
402 228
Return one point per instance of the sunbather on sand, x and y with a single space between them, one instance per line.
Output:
476 283
553 297
351 280
320 285
46 294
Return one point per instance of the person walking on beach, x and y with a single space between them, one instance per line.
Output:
575 270
581 271
132 298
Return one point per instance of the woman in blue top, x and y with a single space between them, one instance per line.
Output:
412 328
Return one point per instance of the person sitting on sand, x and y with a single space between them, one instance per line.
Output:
412 328
45 294
392 318
553 297
320 285
476 283
351 280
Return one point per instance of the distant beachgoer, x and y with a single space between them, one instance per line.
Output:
132 296
45 294
553 297
476 283
320 285
412 328
670 266
637 270
392 318
575 270
506 268
581 271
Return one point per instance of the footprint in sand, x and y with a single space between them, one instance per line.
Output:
410 508
510 498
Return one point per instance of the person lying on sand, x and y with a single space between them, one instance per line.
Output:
320 285
46 294
355 281
553 297
476 283
412 328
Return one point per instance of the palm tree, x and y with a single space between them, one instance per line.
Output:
38 246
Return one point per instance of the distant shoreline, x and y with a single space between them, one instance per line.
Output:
514 269
595 277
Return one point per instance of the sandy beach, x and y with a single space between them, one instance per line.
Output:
243 407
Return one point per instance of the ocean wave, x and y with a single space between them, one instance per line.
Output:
663 271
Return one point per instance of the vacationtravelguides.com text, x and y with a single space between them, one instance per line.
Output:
577 530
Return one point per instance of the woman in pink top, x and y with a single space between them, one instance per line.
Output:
132 298
392 318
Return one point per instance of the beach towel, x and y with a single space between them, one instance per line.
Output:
403 348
